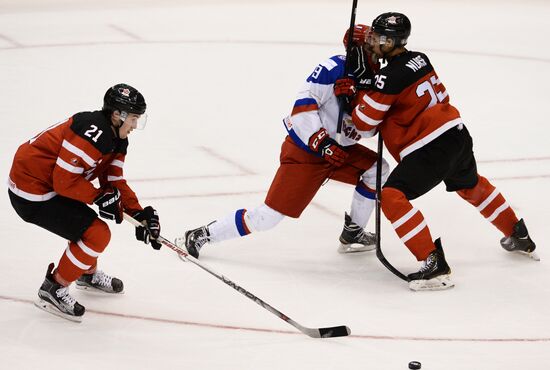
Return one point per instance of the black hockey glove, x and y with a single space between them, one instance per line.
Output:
151 230
360 68
109 205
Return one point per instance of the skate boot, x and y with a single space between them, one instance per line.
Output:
354 238
520 241
194 240
100 282
55 299
435 274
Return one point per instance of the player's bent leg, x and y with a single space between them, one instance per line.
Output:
354 238
237 224
493 206
409 224
79 262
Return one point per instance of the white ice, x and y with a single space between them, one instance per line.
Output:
218 77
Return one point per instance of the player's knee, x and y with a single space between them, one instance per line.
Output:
392 200
369 176
97 236
263 218
478 192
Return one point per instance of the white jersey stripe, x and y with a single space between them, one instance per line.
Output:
61 163
363 117
79 152
429 138
28 196
117 163
114 178
378 106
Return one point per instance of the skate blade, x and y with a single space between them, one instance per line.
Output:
354 248
533 255
50 308
441 282
96 290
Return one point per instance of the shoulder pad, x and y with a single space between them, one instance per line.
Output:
95 128
329 71
402 72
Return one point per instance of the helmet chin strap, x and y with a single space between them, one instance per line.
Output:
123 115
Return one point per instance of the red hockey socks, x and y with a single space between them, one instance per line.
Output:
491 204
408 222
81 257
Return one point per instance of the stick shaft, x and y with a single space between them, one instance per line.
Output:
379 253
341 104
314 333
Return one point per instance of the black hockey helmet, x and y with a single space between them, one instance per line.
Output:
124 98
393 25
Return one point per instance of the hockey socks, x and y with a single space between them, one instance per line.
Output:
243 222
362 204
491 204
81 257
408 222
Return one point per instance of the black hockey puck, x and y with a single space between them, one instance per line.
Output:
415 365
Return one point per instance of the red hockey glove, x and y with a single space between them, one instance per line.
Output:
345 87
327 148
360 32
109 205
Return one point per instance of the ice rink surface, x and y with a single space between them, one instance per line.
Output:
218 76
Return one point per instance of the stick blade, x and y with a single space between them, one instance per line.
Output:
333 332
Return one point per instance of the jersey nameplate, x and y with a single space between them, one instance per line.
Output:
416 63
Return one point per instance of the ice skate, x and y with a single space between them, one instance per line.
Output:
194 240
520 242
55 299
435 274
100 282
355 239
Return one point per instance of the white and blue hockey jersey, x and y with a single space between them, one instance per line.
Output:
316 106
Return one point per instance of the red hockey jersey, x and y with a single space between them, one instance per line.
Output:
66 157
408 105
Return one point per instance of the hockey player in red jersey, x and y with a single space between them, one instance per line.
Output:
310 156
410 108
50 185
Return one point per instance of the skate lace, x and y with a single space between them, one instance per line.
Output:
102 279
198 238
429 263
63 294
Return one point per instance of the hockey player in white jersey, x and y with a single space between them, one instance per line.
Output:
310 155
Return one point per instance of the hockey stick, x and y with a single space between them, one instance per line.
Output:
341 104
379 253
330 332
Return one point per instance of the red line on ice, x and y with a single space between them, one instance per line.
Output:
263 330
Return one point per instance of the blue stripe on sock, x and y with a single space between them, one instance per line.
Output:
364 191
239 215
